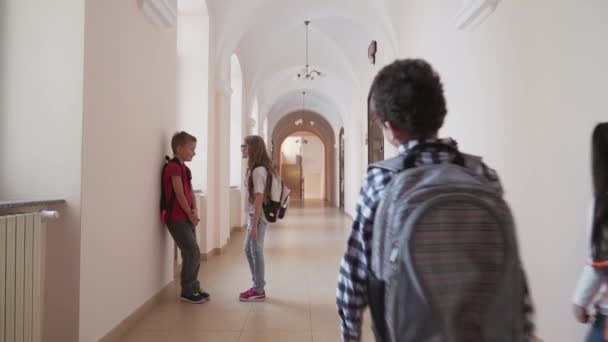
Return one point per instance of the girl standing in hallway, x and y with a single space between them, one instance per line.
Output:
595 274
259 170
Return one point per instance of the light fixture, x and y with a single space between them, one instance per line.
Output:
307 72
160 12
371 51
474 12
303 99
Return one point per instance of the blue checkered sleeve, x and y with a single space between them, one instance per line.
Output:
352 279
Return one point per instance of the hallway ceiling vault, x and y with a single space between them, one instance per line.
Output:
268 36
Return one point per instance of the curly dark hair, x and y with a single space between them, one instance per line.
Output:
409 95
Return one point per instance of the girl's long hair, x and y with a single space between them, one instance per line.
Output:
599 163
257 156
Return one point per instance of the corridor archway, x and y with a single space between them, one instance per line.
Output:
300 166
315 125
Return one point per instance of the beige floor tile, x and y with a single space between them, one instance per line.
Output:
289 320
325 318
333 336
157 321
137 336
206 336
302 260
213 320
275 336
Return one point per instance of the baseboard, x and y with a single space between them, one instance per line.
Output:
206 256
222 250
117 334
238 228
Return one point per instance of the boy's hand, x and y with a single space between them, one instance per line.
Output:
195 216
581 314
254 234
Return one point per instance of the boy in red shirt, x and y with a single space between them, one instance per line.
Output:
182 215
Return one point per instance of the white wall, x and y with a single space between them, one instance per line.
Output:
314 168
129 117
193 87
255 116
235 208
41 65
218 148
525 90
290 150
265 132
236 122
355 156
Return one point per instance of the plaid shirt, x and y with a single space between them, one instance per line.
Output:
352 280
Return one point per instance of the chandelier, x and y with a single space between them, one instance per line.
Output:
307 73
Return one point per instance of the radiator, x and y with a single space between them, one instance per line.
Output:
21 277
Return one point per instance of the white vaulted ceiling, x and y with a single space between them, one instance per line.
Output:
269 38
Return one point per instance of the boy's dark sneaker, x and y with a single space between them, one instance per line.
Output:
204 294
195 298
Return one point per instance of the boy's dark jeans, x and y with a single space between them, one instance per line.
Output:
185 238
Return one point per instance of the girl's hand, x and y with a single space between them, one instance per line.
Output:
581 314
254 234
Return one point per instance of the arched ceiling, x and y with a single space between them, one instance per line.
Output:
291 101
269 38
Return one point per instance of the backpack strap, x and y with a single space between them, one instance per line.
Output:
268 187
403 162
167 206
416 151
188 176
473 162
395 164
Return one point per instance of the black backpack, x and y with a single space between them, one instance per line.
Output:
167 206
274 208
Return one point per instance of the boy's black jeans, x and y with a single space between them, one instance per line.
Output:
185 238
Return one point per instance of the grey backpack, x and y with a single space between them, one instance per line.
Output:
445 265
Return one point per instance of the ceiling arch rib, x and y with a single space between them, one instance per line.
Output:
292 102
270 65
334 90
237 21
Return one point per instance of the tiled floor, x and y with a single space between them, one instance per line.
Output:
302 257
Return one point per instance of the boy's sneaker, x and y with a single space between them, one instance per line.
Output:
195 298
204 294
252 296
